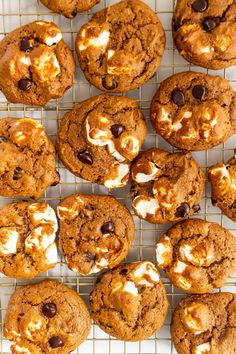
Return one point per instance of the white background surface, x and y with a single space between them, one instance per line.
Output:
14 13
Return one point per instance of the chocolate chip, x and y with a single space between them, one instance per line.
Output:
24 84
141 289
49 310
90 207
199 92
117 130
57 180
214 202
26 45
177 97
196 208
233 205
73 14
18 172
108 227
85 157
200 5
124 271
109 83
210 23
182 211
55 342
89 257
176 25
3 139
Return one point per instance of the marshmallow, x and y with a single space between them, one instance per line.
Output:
122 173
128 287
145 205
99 41
164 252
8 240
146 274
51 253
144 178
204 348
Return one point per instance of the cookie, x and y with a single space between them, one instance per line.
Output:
197 255
194 111
27 159
27 235
99 138
204 32
47 317
223 186
205 324
36 65
121 47
129 302
166 187
96 232
69 8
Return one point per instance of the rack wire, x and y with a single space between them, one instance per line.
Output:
15 13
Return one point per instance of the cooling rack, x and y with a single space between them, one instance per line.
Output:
14 13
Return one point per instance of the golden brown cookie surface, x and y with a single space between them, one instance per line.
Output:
27 158
46 317
197 255
204 32
129 302
223 185
69 8
121 47
35 64
99 137
194 111
27 235
166 187
205 324
96 232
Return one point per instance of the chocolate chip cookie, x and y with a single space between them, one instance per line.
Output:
204 32
129 302
197 255
121 47
27 235
69 8
99 138
27 158
47 317
205 324
96 232
194 111
166 187
223 186
36 65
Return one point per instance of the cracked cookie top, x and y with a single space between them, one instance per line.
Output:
197 255
204 32
46 317
96 232
121 47
194 111
27 235
205 324
69 8
99 138
35 64
27 158
129 302
166 187
223 186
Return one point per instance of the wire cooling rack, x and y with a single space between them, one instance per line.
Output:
14 13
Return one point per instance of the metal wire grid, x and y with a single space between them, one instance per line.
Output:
15 13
